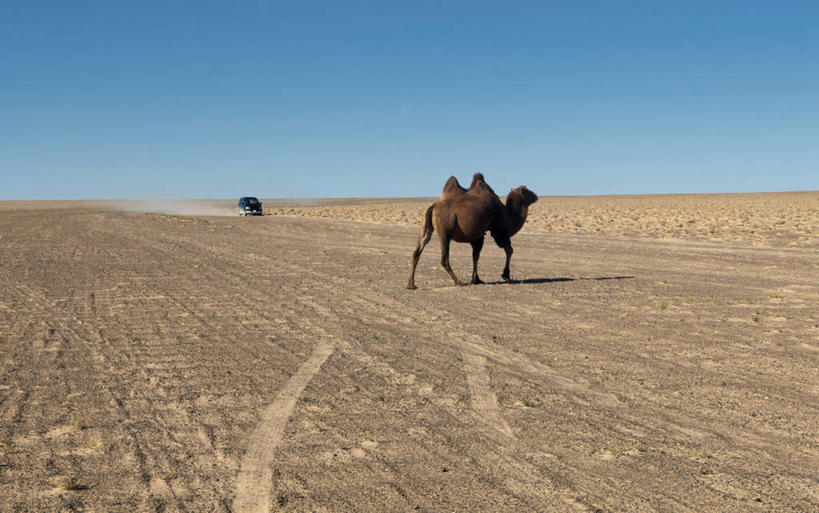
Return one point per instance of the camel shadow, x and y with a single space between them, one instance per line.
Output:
526 281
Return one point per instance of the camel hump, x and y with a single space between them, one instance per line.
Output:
478 183
452 186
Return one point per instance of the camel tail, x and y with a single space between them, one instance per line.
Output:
427 228
426 232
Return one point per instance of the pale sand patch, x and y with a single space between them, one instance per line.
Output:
764 219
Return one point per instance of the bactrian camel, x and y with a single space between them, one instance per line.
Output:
465 215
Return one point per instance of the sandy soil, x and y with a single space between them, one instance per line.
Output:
153 362
790 219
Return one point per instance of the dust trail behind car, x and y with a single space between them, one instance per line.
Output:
185 207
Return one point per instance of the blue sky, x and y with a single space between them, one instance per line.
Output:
199 99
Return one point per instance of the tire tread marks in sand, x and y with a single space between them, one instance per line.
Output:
253 485
254 480
509 452
42 304
247 495
484 400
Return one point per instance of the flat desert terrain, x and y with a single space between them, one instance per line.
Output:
654 354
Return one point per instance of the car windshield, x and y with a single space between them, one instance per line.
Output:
251 202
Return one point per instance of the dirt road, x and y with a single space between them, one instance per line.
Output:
169 363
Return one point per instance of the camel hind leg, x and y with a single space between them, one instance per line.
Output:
444 238
423 239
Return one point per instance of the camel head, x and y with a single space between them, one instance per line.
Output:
517 209
523 195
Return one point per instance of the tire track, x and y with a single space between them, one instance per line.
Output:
254 479
55 323
365 310
475 354
509 453
484 401
175 428
274 417
255 475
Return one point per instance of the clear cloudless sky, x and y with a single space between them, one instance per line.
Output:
216 99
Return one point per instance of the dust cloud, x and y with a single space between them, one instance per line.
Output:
182 207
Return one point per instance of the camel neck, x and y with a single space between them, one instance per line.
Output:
516 213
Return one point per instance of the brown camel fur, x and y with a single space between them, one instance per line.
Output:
465 215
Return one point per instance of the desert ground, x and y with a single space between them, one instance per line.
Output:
653 354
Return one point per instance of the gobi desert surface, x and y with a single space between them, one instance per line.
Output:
658 354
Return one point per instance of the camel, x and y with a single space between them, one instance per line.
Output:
465 215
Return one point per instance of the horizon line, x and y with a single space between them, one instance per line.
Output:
297 198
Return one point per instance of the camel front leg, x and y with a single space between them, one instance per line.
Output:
476 253
445 259
508 250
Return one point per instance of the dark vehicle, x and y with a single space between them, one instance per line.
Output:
250 206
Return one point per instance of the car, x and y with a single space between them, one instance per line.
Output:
249 206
